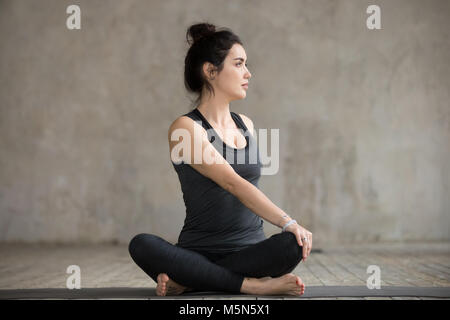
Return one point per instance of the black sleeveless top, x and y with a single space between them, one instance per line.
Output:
216 221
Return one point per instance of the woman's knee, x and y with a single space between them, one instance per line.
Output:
291 247
140 243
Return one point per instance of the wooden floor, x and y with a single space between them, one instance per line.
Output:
411 264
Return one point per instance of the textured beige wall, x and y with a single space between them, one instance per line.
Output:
364 116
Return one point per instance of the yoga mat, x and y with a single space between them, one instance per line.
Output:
310 292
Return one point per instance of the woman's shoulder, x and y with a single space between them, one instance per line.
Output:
182 122
185 125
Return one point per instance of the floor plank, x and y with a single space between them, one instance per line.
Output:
402 264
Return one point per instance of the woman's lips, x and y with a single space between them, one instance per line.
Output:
245 85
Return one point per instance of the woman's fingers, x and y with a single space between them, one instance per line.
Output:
305 250
299 238
302 243
305 247
310 242
304 239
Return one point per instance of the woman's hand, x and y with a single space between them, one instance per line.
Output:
301 233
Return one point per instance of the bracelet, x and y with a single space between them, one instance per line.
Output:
288 224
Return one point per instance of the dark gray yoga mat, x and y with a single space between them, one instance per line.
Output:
310 292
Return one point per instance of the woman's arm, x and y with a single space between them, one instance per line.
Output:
273 211
213 166
256 201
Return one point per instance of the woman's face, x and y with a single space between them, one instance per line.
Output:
233 75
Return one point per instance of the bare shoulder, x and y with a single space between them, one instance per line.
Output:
248 122
182 126
182 122
212 164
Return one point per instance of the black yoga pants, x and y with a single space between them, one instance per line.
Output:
207 271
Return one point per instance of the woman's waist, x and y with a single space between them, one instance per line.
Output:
222 224
221 241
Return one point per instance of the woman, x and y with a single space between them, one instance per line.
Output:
222 246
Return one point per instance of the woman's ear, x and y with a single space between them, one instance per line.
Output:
209 70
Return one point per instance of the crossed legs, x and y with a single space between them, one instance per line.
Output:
273 257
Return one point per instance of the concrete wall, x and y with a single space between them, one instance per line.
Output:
364 116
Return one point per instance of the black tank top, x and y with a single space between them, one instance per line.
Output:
216 221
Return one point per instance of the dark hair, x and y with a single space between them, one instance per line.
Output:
207 45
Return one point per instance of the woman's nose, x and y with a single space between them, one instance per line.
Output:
248 74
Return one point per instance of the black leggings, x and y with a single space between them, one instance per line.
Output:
206 271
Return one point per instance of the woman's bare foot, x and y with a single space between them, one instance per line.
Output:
167 286
288 284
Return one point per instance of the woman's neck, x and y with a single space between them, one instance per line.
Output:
216 112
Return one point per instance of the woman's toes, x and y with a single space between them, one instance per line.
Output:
167 286
163 277
301 285
161 286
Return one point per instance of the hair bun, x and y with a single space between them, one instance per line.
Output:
199 31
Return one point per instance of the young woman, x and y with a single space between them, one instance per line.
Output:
222 246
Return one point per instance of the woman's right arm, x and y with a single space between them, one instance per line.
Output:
216 168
